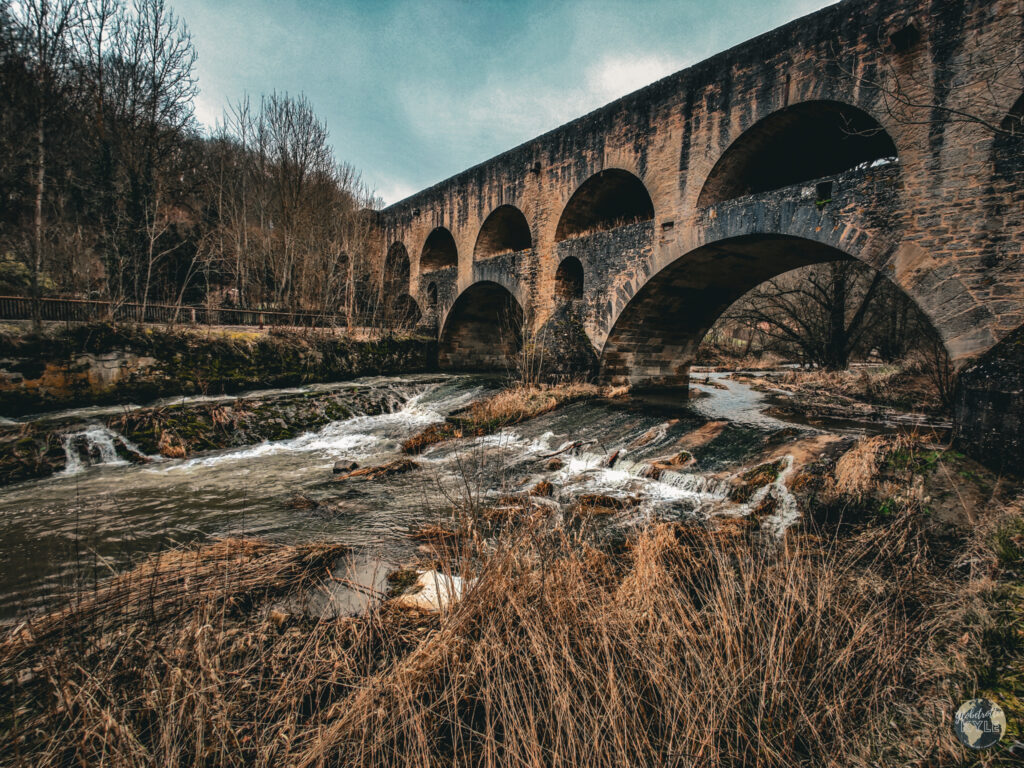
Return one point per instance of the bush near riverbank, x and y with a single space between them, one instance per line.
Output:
101 363
850 642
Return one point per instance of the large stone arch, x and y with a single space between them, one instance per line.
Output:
654 337
704 155
482 331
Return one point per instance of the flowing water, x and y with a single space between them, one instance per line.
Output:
103 511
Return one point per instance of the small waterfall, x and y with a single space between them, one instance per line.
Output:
696 484
786 512
98 445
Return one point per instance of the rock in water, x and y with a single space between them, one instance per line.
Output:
345 465
437 592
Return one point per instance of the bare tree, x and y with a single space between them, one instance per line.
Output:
821 312
46 29
976 92
144 85
294 232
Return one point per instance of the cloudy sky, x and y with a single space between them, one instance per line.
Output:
414 91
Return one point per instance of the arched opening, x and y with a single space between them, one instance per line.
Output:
432 296
483 330
1008 147
401 312
398 309
1013 123
803 142
396 270
656 336
824 316
609 199
504 231
439 251
569 279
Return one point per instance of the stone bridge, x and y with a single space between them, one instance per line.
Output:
872 130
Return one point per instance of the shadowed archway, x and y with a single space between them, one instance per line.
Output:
805 141
654 340
398 310
482 331
569 279
505 230
606 200
439 251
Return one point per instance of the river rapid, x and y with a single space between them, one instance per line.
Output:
64 533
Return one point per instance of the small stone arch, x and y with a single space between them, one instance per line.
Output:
610 198
505 230
802 142
482 331
569 279
1013 123
439 251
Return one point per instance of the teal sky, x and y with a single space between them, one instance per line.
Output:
413 92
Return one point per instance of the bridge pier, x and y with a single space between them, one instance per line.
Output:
989 407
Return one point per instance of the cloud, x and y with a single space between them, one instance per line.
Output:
393 190
505 114
615 76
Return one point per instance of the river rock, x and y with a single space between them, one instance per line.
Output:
436 592
345 465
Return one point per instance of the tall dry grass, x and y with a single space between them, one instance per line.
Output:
686 648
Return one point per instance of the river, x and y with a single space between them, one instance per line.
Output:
70 530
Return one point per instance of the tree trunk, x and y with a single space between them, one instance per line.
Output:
837 353
37 257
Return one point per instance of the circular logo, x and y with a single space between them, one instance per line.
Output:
979 723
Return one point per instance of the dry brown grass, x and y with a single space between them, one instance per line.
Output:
901 386
688 648
856 473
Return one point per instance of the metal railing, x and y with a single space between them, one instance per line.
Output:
86 310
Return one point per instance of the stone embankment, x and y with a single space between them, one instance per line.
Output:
101 364
178 430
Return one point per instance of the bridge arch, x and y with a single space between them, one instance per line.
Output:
505 230
655 337
799 143
396 269
398 308
483 329
439 251
608 199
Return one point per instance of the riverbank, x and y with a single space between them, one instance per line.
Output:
864 627
178 430
99 363
881 394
